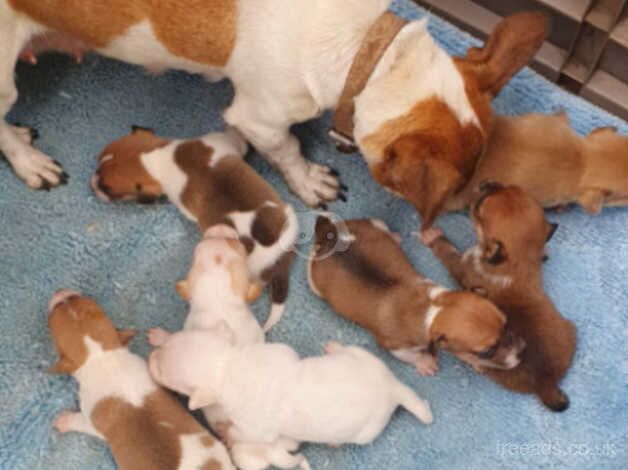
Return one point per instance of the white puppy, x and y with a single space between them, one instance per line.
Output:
344 397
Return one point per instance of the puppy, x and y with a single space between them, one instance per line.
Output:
346 396
371 282
505 265
542 155
145 427
419 117
210 183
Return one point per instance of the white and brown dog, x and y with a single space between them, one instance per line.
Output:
270 393
372 283
419 117
211 184
145 427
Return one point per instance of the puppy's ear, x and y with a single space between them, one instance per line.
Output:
511 45
62 366
183 289
422 180
494 252
201 399
255 290
592 201
551 231
240 281
125 336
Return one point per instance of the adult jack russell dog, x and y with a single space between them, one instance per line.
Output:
419 117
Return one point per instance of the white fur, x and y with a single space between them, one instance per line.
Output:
380 224
194 453
421 70
269 392
430 316
475 254
436 291
310 262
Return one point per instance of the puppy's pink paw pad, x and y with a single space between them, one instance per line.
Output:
157 336
427 365
63 422
332 347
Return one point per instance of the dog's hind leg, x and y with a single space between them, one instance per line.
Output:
36 169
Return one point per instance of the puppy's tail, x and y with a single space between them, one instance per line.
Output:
415 405
554 398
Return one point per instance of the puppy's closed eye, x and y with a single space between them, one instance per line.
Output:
488 352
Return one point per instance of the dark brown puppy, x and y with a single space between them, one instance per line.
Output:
505 265
359 268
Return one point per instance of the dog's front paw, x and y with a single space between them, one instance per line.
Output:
157 336
37 170
316 184
429 236
427 365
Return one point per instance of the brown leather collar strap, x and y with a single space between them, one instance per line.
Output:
379 37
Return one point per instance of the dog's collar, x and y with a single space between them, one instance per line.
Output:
379 37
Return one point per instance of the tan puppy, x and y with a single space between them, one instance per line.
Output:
208 180
547 159
145 427
505 265
371 282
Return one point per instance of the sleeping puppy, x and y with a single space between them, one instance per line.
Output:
419 116
145 427
505 265
542 155
346 396
372 283
210 183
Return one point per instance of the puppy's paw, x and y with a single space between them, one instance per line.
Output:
37 170
25 134
427 365
332 347
315 184
63 423
429 236
157 336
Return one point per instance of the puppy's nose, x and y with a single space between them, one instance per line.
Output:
61 296
98 188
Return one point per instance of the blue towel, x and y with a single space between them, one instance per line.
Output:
128 257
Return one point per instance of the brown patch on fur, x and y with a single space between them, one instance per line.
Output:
268 224
427 155
513 220
212 464
155 430
373 284
202 31
199 30
96 23
74 319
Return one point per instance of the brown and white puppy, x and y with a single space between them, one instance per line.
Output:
145 427
421 119
211 184
371 282
505 265
542 155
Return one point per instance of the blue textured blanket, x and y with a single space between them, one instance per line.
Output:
128 258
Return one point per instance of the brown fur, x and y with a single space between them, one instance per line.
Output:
202 31
427 155
373 284
545 157
146 437
512 232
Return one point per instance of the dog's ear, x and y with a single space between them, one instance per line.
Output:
592 201
240 281
422 180
511 45
255 290
201 399
183 289
125 336
493 252
62 366
551 231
